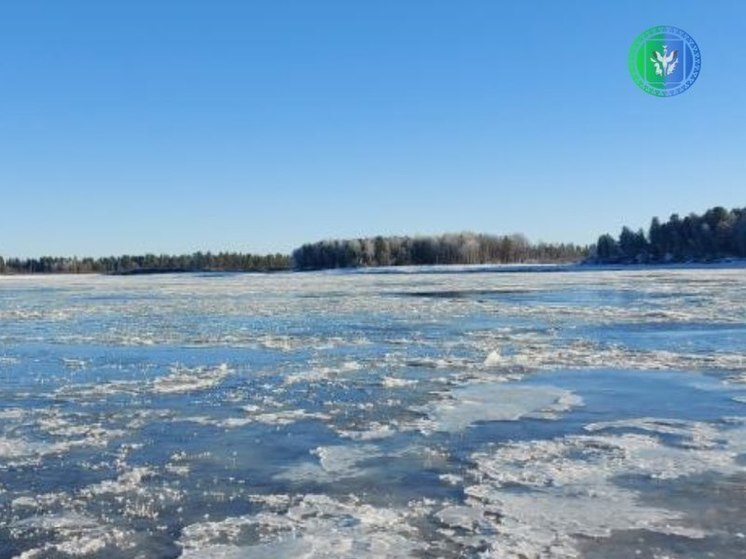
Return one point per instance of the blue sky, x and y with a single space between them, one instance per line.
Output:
173 126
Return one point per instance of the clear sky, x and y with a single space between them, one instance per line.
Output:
131 126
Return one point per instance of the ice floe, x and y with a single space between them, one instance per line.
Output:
464 406
334 462
542 495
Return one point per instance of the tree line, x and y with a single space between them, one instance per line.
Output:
717 234
463 248
148 263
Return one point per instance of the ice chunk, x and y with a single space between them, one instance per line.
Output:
501 401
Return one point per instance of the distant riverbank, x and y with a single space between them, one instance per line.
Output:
716 237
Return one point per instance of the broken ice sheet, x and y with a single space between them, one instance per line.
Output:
543 495
461 407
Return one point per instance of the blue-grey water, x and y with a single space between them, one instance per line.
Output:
432 413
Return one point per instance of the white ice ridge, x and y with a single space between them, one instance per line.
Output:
538 496
542 352
65 431
142 495
185 379
396 382
371 431
322 373
311 527
500 401
256 414
70 535
15 448
179 380
694 434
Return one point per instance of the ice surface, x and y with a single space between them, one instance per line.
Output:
349 414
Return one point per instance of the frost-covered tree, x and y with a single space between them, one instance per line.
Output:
460 248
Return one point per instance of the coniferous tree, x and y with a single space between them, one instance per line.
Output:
716 234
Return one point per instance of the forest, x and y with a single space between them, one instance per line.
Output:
715 235
149 263
460 248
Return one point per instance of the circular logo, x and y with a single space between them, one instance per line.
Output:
664 61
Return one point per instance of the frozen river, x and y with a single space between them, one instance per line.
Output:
433 413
